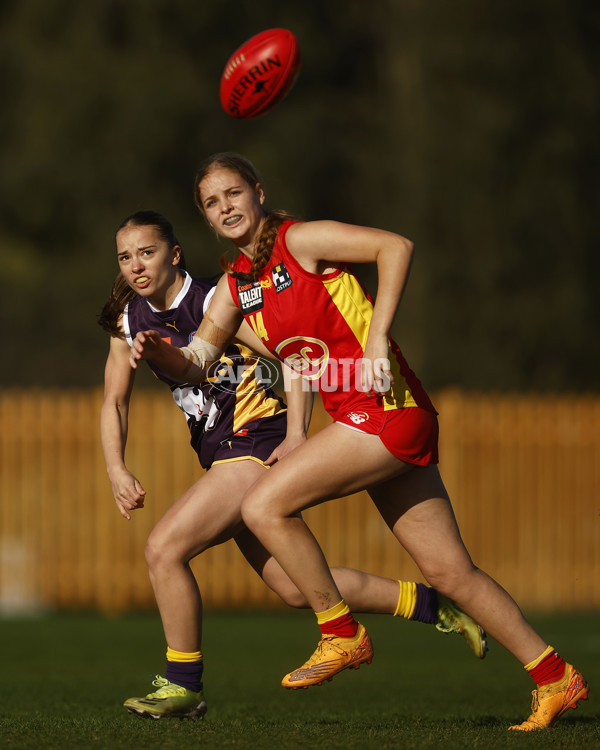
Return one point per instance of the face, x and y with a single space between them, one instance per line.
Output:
233 208
146 261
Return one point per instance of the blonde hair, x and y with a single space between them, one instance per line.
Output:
263 244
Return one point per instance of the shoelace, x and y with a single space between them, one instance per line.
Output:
328 640
165 688
160 682
447 621
535 701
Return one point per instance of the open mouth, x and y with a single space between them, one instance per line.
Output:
232 220
142 280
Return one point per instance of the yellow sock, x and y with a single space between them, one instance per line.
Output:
332 614
183 656
535 662
407 599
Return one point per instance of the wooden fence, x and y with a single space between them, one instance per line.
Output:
523 473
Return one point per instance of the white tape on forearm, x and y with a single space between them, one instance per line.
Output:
199 353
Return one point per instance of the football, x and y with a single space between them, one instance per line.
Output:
260 73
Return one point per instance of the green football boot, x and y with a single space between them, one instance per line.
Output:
168 702
451 619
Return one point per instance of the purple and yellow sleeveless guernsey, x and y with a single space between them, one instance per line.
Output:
226 412
318 324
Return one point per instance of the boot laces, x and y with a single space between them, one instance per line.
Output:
165 688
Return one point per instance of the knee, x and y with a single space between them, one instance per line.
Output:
254 510
450 581
154 552
161 552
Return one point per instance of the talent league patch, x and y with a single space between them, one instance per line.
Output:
250 295
281 278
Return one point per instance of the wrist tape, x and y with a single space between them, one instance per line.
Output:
206 347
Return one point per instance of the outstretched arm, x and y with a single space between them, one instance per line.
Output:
114 420
190 363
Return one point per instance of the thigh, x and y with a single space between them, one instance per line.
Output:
208 513
417 509
335 462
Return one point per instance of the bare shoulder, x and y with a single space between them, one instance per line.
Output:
309 232
222 310
310 241
336 242
119 347
222 295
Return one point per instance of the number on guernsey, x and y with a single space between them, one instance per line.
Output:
258 325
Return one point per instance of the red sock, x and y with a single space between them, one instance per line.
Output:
344 626
550 669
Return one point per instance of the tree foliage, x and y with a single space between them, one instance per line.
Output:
470 127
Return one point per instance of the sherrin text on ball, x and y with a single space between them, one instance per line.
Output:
260 73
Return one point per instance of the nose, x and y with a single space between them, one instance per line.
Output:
225 205
137 264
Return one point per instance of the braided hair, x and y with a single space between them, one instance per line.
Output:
121 293
263 245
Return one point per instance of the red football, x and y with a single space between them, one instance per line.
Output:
260 73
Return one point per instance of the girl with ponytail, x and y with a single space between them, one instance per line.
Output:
293 283
238 430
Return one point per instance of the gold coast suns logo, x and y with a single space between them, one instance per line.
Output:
305 355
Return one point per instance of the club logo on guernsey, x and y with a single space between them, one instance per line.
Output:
250 295
281 278
305 355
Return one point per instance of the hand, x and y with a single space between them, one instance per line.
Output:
145 346
287 446
128 492
375 373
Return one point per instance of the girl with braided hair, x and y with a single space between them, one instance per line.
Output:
293 284
238 428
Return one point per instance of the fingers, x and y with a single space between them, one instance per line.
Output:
376 375
142 346
382 375
272 458
366 375
126 506
129 497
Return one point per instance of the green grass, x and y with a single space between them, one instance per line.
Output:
65 677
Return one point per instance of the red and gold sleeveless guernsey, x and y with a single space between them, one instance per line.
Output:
318 324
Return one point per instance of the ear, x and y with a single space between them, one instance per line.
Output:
260 193
176 255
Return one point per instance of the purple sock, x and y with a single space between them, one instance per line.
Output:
426 605
188 674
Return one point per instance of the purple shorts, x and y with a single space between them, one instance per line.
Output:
256 441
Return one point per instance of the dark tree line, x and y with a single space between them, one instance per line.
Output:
471 127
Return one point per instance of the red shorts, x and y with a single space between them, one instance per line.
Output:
410 434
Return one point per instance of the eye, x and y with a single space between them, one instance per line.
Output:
210 202
123 258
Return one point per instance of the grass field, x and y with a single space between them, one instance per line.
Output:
65 677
